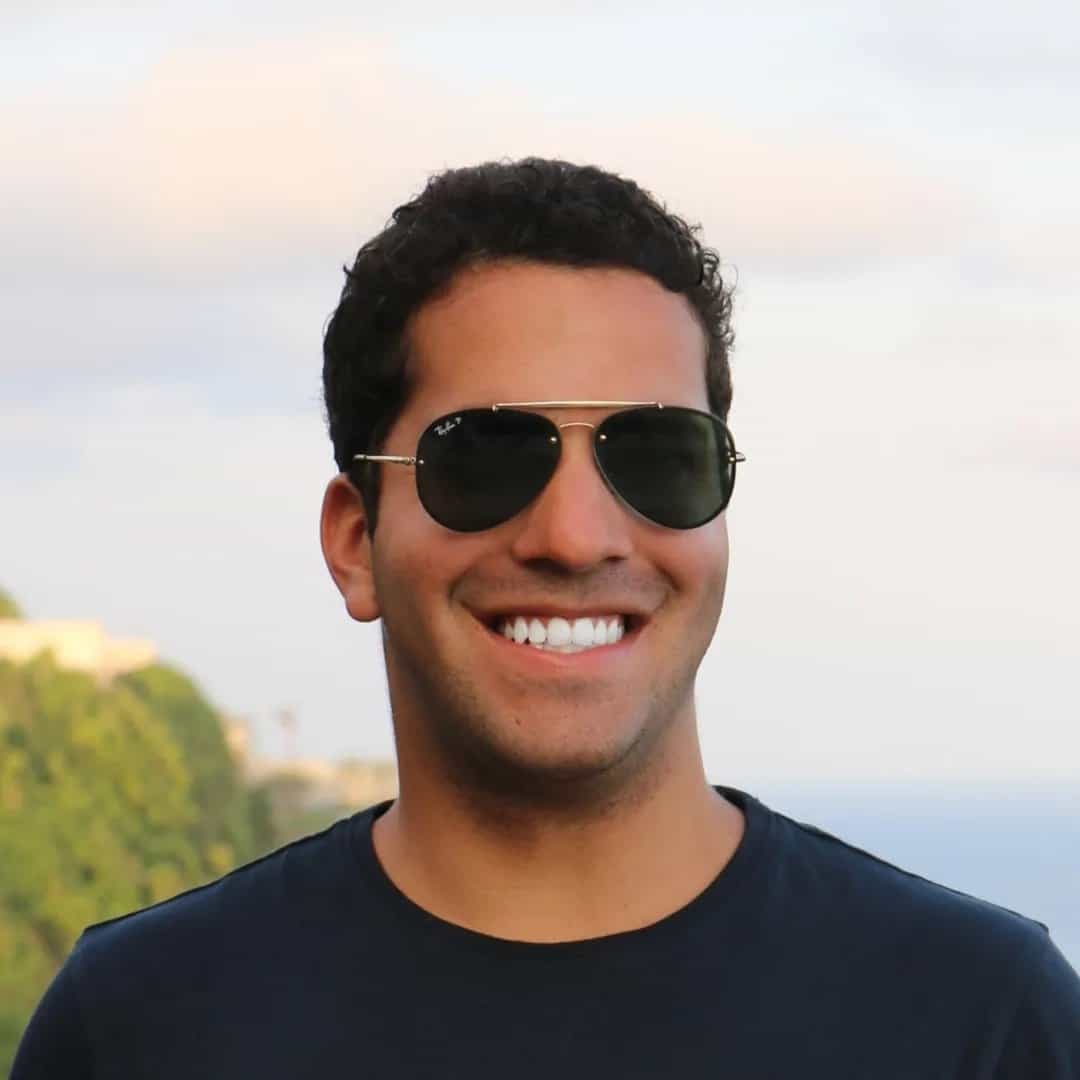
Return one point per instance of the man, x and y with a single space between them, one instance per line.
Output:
527 386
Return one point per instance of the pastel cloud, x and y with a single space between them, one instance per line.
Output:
287 150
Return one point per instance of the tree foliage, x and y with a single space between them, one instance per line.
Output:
111 798
228 825
8 608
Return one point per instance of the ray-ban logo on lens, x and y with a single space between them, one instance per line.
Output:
447 426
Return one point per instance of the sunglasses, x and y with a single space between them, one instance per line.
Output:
477 468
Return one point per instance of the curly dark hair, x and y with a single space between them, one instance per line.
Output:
534 209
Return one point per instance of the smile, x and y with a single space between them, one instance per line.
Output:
556 634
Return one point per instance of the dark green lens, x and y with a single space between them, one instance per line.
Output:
479 467
672 465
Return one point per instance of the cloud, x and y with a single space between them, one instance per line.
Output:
286 153
1050 447
146 511
992 48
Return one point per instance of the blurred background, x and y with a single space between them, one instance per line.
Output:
892 186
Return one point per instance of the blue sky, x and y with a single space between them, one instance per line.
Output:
895 190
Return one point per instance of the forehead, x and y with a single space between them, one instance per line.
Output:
530 331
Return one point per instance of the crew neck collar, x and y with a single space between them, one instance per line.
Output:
723 893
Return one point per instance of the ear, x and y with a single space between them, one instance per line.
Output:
346 548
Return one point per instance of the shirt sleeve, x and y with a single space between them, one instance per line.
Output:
54 1045
1044 1040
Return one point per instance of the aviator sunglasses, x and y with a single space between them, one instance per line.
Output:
476 468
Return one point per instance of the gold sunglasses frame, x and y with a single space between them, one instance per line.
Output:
398 459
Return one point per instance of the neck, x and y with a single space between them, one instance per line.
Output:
519 871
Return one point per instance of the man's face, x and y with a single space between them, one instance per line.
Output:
465 697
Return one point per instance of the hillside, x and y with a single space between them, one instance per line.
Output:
114 794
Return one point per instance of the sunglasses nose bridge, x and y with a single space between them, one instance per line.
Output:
580 424
573 520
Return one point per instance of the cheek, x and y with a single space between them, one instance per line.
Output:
697 562
719 555
408 577
705 567
399 568
416 565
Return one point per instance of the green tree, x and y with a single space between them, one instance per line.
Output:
8 608
111 798
95 802
230 826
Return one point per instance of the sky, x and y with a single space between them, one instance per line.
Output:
894 191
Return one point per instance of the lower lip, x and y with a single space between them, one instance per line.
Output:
592 659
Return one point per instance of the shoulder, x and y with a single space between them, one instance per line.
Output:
195 935
933 964
1043 1036
868 889
900 921
232 944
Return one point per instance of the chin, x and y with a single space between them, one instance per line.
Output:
561 764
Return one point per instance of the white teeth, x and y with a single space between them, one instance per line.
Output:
559 634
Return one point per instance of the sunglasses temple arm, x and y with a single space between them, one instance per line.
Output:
392 459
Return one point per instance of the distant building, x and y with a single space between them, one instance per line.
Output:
75 644
333 783
319 783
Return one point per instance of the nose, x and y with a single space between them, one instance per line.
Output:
575 522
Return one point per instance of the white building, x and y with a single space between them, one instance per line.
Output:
81 645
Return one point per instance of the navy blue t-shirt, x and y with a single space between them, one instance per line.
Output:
805 957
